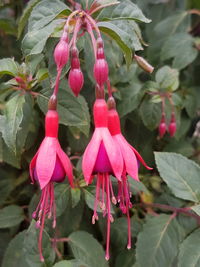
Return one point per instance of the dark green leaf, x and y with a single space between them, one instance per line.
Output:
71 263
167 78
86 249
196 209
62 194
8 66
158 243
25 16
181 48
126 258
44 12
8 26
120 37
181 175
76 196
10 216
189 251
73 111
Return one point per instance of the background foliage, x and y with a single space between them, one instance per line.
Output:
165 215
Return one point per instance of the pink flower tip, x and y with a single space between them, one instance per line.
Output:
172 128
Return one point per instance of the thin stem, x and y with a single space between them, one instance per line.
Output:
171 102
93 22
90 31
185 211
109 88
194 11
55 92
69 18
76 30
106 177
92 11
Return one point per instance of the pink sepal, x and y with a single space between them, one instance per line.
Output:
129 157
46 160
90 155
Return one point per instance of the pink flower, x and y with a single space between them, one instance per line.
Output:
162 126
61 52
172 125
50 164
130 163
102 157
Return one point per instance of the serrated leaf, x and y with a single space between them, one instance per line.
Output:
35 40
167 78
120 37
125 10
181 48
158 243
14 255
44 12
87 249
13 115
189 251
150 113
73 111
8 66
25 16
181 175
10 216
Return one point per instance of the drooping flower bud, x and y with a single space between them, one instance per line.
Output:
101 65
61 54
162 126
142 63
75 78
172 125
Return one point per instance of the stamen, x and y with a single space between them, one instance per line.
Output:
106 177
95 215
114 201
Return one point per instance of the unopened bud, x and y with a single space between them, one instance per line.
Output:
76 80
142 63
61 54
172 125
101 71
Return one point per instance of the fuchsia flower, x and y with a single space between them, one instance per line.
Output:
61 52
130 163
172 125
162 126
102 157
50 164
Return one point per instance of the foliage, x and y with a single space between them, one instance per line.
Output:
166 203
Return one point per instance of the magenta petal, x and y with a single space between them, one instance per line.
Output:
139 157
66 164
90 155
46 160
114 153
129 157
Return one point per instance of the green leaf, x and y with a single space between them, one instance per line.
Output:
6 186
125 10
76 196
11 216
196 209
167 78
31 251
150 113
8 66
189 251
71 263
136 186
73 111
35 40
42 74
14 255
8 26
131 96
158 243
86 249
62 194
13 115
44 12
120 37
181 175
25 16
181 48
125 258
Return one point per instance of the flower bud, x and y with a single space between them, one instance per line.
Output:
76 80
61 54
172 125
101 71
162 126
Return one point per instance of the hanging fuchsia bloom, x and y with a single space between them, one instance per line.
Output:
130 163
102 157
50 164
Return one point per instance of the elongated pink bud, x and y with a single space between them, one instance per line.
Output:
76 80
101 65
172 125
162 126
61 54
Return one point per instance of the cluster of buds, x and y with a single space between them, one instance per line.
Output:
171 127
108 152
